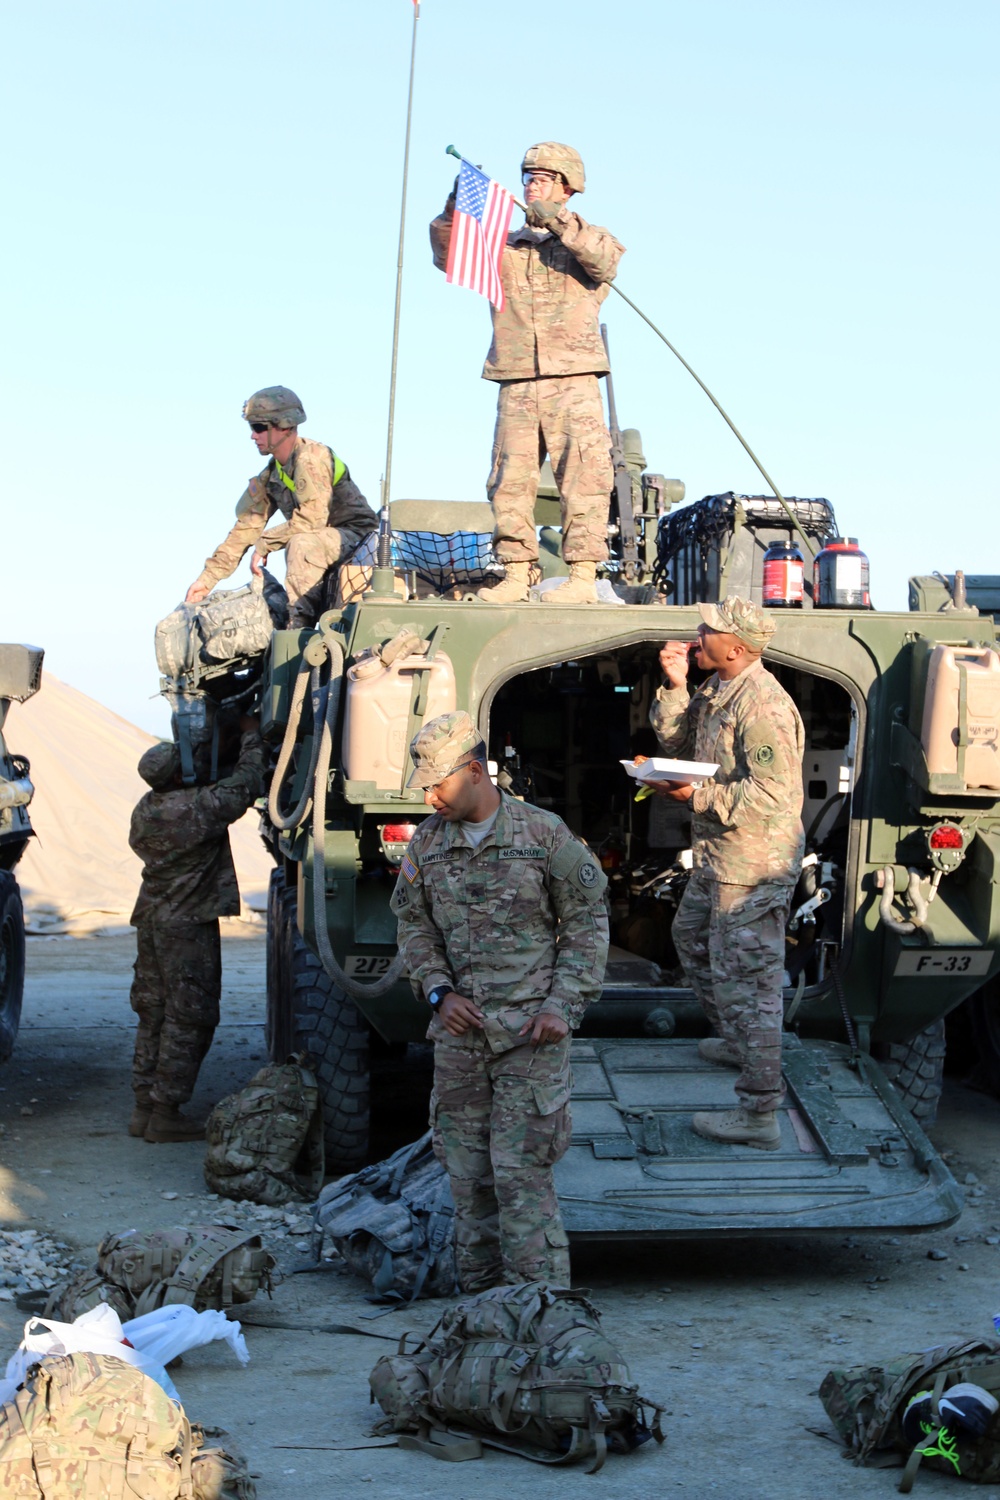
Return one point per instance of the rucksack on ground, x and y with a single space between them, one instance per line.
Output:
87 1425
265 1143
205 1266
524 1368
393 1224
866 1405
91 1427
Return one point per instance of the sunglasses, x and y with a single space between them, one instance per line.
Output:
258 426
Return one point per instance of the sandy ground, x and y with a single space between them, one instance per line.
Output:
734 1337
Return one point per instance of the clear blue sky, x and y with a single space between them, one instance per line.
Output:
203 199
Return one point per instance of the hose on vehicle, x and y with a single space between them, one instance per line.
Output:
327 958
285 821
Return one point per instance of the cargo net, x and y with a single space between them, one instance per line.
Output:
453 561
707 523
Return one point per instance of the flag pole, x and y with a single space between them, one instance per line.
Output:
384 554
453 151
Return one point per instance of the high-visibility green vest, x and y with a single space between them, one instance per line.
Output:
339 470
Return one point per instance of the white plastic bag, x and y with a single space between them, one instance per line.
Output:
156 1338
166 1332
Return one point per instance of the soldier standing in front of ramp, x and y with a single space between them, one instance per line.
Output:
325 515
547 354
504 932
181 834
747 842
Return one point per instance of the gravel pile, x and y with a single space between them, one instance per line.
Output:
31 1261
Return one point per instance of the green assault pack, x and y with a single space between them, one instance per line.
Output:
265 1143
524 1368
866 1405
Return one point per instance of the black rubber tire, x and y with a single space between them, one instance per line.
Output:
11 962
916 1071
330 1028
983 1009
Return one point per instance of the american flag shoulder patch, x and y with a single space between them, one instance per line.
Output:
409 869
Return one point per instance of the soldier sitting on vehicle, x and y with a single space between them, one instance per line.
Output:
747 841
326 517
547 354
181 834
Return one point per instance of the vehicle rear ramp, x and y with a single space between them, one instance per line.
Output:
851 1156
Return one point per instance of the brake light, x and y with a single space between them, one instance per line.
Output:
946 836
395 837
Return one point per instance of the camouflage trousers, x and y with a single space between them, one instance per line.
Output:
175 994
731 941
564 418
501 1121
309 556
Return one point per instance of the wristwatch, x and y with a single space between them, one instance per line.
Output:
437 994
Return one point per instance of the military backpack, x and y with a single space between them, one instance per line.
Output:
229 625
524 1368
393 1223
91 1427
866 1405
266 1142
205 1266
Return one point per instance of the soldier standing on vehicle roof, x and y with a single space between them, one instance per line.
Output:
547 353
181 834
504 932
747 842
326 517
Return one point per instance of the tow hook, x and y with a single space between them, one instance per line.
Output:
885 880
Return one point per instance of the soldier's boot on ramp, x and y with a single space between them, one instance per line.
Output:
514 587
166 1123
718 1049
739 1127
579 588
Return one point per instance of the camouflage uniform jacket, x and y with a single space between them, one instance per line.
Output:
182 837
320 493
747 821
517 925
553 286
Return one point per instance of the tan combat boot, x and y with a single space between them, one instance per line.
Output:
739 1127
718 1049
140 1117
513 589
166 1123
579 588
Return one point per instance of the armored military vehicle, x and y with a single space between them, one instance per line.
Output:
20 678
895 919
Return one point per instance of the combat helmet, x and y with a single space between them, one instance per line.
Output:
552 156
277 405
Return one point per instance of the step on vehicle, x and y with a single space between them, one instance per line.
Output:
20 679
895 920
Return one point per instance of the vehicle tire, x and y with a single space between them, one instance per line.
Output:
916 1071
11 962
328 1025
983 1010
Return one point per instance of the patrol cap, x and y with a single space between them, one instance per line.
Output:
741 618
442 745
553 156
159 765
276 405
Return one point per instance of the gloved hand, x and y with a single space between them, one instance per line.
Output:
541 214
449 202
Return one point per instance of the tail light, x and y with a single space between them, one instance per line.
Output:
395 837
946 846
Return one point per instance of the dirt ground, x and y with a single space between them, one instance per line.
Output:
733 1336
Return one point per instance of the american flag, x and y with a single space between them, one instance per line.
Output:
478 233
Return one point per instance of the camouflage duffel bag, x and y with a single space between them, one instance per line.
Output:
84 1426
394 1224
205 1266
265 1143
230 624
524 1368
867 1404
